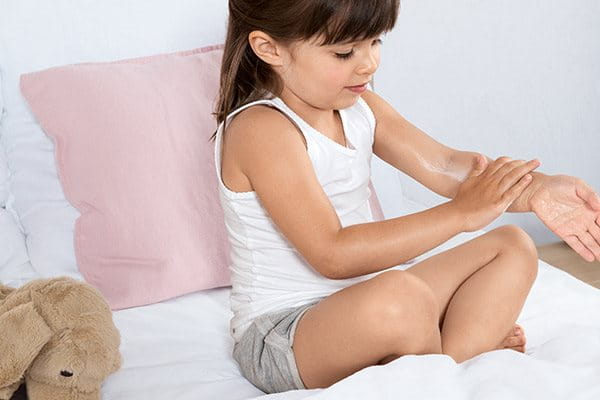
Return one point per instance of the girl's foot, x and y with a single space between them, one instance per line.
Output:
514 340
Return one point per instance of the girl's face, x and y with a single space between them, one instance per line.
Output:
321 75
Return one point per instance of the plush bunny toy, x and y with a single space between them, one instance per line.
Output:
58 337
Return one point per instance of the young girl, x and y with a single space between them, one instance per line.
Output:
315 294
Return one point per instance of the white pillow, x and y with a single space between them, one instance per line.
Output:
3 165
4 174
15 268
93 31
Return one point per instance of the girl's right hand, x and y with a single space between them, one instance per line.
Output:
488 192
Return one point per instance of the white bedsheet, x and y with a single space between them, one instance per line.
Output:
561 318
180 349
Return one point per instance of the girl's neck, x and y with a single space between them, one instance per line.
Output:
315 117
327 122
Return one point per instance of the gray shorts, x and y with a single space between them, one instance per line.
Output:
264 352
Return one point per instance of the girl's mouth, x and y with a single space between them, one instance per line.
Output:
358 89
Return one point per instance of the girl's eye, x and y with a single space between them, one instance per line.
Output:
345 56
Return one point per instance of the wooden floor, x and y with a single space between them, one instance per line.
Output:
562 256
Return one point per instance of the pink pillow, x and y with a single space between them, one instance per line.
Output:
374 204
134 157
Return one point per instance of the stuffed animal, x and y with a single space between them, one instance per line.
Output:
57 336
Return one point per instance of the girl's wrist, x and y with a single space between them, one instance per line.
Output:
457 215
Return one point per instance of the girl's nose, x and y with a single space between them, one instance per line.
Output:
369 64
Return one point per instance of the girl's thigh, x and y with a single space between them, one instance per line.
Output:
358 326
446 271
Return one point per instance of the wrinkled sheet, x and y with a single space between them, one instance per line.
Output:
561 318
181 349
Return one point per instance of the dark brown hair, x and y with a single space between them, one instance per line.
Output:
246 78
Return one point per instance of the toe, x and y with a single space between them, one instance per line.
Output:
518 330
514 338
515 341
519 348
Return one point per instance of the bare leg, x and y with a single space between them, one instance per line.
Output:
486 306
481 286
391 313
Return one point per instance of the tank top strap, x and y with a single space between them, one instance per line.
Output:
279 104
317 144
275 102
368 113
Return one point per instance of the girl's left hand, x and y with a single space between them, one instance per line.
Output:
571 209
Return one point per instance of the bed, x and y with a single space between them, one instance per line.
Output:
181 348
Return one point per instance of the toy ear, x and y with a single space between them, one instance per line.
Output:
5 291
24 333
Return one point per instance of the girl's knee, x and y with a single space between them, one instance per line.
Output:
406 305
516 241
514 237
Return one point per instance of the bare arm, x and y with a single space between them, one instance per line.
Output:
272 155
370 247
438 167
409 149
461 163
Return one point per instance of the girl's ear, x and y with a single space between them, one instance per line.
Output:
266 48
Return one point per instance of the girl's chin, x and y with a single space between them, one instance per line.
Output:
351 100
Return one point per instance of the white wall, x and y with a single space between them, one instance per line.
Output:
515 78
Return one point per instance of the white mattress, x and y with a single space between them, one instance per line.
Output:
181 349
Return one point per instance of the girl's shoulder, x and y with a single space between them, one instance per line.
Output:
240 143
258 122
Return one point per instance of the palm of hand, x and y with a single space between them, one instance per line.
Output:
563 204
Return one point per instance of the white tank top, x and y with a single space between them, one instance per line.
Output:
267 271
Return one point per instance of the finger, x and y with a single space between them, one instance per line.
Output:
511 194
594 231
507 168
518 164
590 243
497 164
519 168
576 245
585 192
